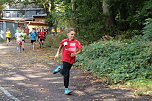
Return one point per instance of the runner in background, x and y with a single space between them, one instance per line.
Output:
18 36
37 34
41 37
33 38
23 38
8 36
45 33
27 32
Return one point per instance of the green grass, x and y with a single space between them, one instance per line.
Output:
143 86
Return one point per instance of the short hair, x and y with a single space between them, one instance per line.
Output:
69 30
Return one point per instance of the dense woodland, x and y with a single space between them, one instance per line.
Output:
95 18
126 54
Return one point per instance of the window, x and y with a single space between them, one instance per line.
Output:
39 12
20 13
7 14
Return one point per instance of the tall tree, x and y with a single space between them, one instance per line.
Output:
110 21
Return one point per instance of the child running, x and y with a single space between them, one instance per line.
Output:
71 47
18 36
8 36
23 38
41 38
33 38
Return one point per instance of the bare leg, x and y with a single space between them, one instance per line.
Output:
7 40
33 45
23 45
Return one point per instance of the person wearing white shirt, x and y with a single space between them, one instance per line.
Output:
18 36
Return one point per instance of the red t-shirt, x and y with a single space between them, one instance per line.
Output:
27 31
68 48
41 35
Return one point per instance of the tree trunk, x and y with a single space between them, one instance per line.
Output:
109 19
73 2
109 15
73 20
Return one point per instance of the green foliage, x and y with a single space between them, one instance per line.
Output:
127 14
144 86
119 61
147 30
89 20
54 40
4 1
142 12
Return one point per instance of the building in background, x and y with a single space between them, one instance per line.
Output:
28 17
38 22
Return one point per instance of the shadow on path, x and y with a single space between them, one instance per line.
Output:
28 76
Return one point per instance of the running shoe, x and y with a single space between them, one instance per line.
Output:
67 91
58 68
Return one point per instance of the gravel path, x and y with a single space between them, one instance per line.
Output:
27 76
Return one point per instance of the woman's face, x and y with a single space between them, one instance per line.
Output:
71 35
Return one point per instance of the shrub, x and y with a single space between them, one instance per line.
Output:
147 30
119 61
54 40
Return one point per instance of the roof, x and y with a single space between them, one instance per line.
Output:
20 19
37 23
14 21
30 9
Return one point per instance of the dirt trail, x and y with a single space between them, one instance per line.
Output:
27 76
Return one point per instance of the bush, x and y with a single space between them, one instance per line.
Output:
119 61
54 40
147 30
